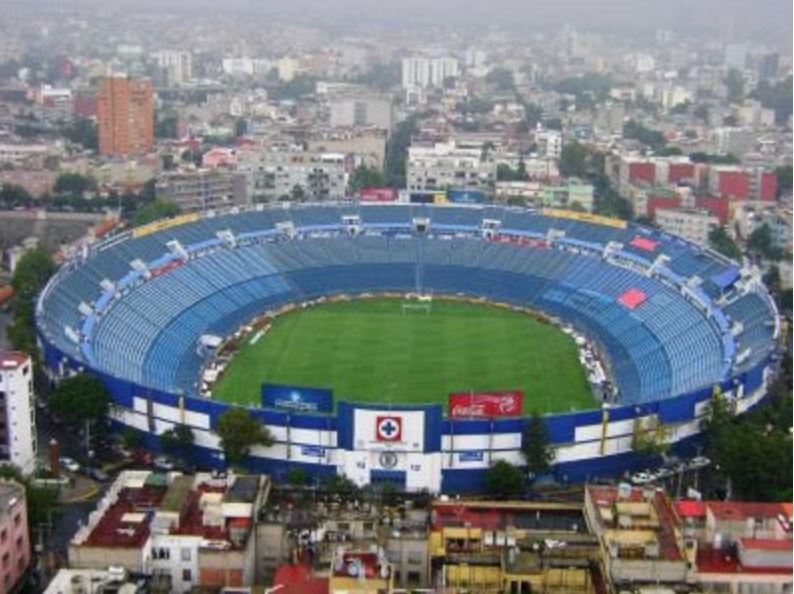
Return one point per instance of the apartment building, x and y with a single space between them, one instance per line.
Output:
17 411
125 116
293 174
184 531
203 189
449 165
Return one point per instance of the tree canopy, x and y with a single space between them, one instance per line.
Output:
535 446
506 173
573 160
239 431
754 450
397 152
777 96
760 242
74 183
365 177
722 243
156 210
501 79
32 272
651 138
504 481
79 399
734 83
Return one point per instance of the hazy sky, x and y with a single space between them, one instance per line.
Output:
755 17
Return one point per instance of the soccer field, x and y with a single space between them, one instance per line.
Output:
373 351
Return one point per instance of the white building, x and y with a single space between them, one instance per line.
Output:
549 143
275 174
694 225
428 72
18 421
178 66
361 111
447 165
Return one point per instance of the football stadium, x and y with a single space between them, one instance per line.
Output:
408 343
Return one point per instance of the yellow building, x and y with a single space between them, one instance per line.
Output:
511 547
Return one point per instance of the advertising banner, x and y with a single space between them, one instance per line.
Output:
484 405
297 398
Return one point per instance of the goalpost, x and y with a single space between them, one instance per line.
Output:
423 302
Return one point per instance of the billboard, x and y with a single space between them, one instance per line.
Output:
484 405
378 195
466 196
297 398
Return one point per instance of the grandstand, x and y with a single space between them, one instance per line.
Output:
672 319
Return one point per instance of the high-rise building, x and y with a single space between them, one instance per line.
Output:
428 72
125 111
17 411
177 66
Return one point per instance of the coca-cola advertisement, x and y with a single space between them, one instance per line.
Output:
484 405
377 195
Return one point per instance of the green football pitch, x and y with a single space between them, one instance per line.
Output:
376 351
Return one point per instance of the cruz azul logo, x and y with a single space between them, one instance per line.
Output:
389 428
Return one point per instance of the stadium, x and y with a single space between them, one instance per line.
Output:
408 343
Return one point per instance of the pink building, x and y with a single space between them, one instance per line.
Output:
14 542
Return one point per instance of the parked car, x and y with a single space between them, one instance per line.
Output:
698 462
663 473
163 463
642 478
69 464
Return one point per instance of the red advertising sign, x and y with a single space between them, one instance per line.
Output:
377 195
485 404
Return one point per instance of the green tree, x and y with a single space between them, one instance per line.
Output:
381 76
32 272
501 79
75 184
649 437
721 242
239 431
160 208
783 180
777 96
506 173
397 151
293 89
535 446
298 194
166 124
573 160
365 177
240 127
699 157
651 138
339 484
504 481
177 440
13 196
80 399
702 112
82 131
130 438
734 83
297 476
760 242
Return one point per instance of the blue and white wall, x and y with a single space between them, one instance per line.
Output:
417 447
